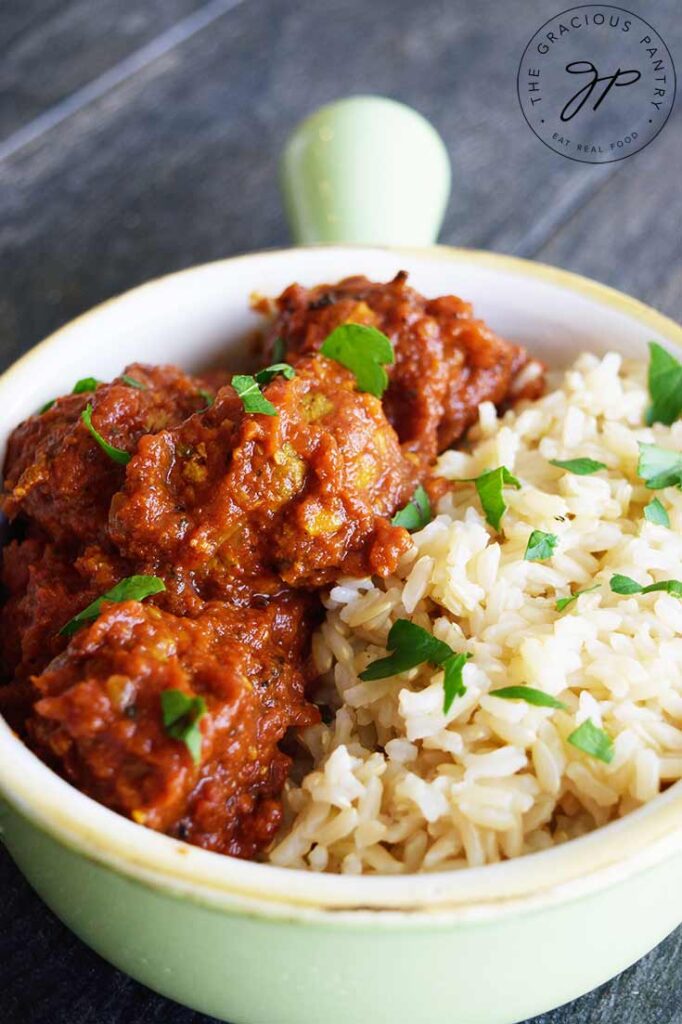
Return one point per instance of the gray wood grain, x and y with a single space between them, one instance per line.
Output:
50 49
172 161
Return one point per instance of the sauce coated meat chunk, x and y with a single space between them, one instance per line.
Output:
298 497
54 473
98 717
446 361
46 586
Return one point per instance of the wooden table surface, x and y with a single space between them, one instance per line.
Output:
141 136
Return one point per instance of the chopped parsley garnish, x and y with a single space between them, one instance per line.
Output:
279 350
531 696
659 467
133 588
207 397
181 717
266 375
563 602
453 682
132 383
626 585
593 741
416 514
116 454
655 513
411 646
253 399
581 467
540 546
364 351
490 486
665 386
48 405
84 385
248 387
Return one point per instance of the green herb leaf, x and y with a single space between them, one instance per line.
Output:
411 646
364 351
132 383
665 386
453 682
593 741
563 602
489 486
117 454
181 717
207 397
673 587
659 467
266 375
531 696
133 588
626 585
253 400
581 467
416 514
279 350
48 405
540 546
84 385
655 513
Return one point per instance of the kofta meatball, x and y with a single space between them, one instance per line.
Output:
446 361
299 496
99 717
56 473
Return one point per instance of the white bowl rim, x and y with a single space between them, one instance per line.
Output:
604 857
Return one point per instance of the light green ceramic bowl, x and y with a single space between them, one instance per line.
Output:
254 944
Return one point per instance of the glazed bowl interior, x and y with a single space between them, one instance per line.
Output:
202 317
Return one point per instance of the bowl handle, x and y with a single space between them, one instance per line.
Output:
365 170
